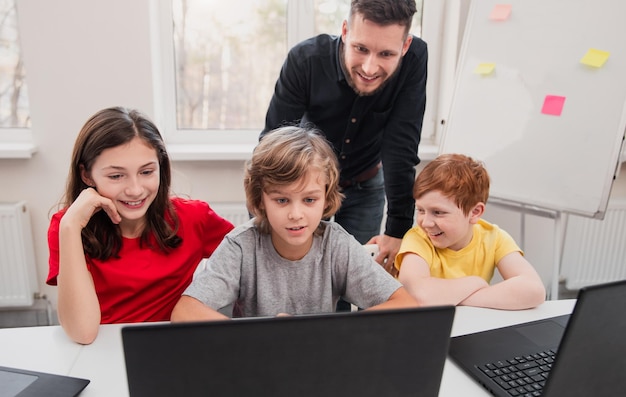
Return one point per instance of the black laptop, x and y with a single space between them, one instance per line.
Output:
584 353
367 353
16 382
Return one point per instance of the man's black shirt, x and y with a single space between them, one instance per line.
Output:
363 130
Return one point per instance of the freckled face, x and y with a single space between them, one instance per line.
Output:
443 221
372 53
294 212
128 175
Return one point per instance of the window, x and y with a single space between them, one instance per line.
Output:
15 135
13 98
228 54
221 61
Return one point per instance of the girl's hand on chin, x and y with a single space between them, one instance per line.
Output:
88 202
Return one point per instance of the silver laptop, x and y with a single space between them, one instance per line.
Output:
582 354
16 382
367 353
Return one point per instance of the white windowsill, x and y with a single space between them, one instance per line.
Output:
17 150
185 152
225 152
209 152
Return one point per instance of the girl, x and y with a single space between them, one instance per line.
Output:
121 249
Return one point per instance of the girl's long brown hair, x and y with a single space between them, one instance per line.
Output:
109 128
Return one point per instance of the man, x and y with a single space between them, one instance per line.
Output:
366 91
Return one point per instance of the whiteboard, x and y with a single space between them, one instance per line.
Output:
563 162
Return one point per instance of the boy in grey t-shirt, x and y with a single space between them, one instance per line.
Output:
287 260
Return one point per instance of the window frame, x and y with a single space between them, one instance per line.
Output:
236 144
16 142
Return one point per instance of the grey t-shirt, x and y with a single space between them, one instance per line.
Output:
246 268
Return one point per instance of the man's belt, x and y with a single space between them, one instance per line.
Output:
362 177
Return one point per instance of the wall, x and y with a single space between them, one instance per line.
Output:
83 56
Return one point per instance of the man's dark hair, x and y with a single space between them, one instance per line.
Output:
385 12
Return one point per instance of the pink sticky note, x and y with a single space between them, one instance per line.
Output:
553 104
500 12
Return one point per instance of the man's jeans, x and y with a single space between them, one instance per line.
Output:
361 213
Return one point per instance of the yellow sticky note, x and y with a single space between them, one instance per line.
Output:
595 58
500 12
485 68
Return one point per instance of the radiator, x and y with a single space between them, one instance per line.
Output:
236 213
18 275
595 250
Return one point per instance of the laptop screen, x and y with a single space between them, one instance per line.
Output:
578 355
13 383
368 353
592 354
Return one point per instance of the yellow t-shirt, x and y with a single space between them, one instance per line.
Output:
479 258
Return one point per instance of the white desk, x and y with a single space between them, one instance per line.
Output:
47 349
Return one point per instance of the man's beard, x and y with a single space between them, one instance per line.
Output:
350 81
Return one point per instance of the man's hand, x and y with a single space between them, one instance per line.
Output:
388 249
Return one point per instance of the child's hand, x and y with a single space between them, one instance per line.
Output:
88 202
283 315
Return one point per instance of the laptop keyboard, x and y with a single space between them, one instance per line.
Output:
521 376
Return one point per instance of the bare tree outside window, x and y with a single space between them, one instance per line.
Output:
14 111
228 56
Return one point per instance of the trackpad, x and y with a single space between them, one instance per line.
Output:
546 334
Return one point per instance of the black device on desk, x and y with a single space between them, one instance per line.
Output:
367 353
585 356
18 382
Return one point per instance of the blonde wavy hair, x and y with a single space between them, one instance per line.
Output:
283 157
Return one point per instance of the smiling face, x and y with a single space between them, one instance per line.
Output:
128 175
444 222
294 212
371 53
